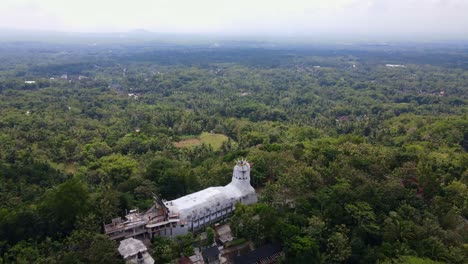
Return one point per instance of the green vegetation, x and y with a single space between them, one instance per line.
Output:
236 242
364 164
210 139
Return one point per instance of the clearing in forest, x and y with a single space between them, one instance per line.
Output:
215 140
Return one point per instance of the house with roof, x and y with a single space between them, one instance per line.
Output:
223 234
267 254
211 255
135 252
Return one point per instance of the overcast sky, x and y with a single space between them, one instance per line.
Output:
441 19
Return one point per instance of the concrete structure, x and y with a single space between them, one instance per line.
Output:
134 251
188 213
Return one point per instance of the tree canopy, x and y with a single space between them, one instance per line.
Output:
353 161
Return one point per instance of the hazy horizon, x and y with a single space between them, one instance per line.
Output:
377 20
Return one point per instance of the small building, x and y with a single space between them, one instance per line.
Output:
223 233
211 255
196 259
135 252
132 95
395 65
29 82
267 254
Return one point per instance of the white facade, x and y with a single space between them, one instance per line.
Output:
204 207
191 206
188 213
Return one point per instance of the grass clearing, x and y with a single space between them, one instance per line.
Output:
215 140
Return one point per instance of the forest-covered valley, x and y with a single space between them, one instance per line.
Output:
358 153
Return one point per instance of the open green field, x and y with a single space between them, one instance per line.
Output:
215 140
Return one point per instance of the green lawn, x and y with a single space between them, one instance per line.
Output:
215 140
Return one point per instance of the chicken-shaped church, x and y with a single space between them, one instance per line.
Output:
188 213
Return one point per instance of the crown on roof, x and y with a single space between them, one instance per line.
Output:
242 162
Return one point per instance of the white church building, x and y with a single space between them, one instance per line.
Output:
188 213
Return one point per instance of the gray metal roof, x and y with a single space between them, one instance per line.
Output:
130 247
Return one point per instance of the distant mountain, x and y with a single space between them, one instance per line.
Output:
140 31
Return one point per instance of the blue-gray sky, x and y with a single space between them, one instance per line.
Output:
438 19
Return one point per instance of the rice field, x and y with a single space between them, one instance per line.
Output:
215 140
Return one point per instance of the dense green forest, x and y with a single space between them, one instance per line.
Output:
359 153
